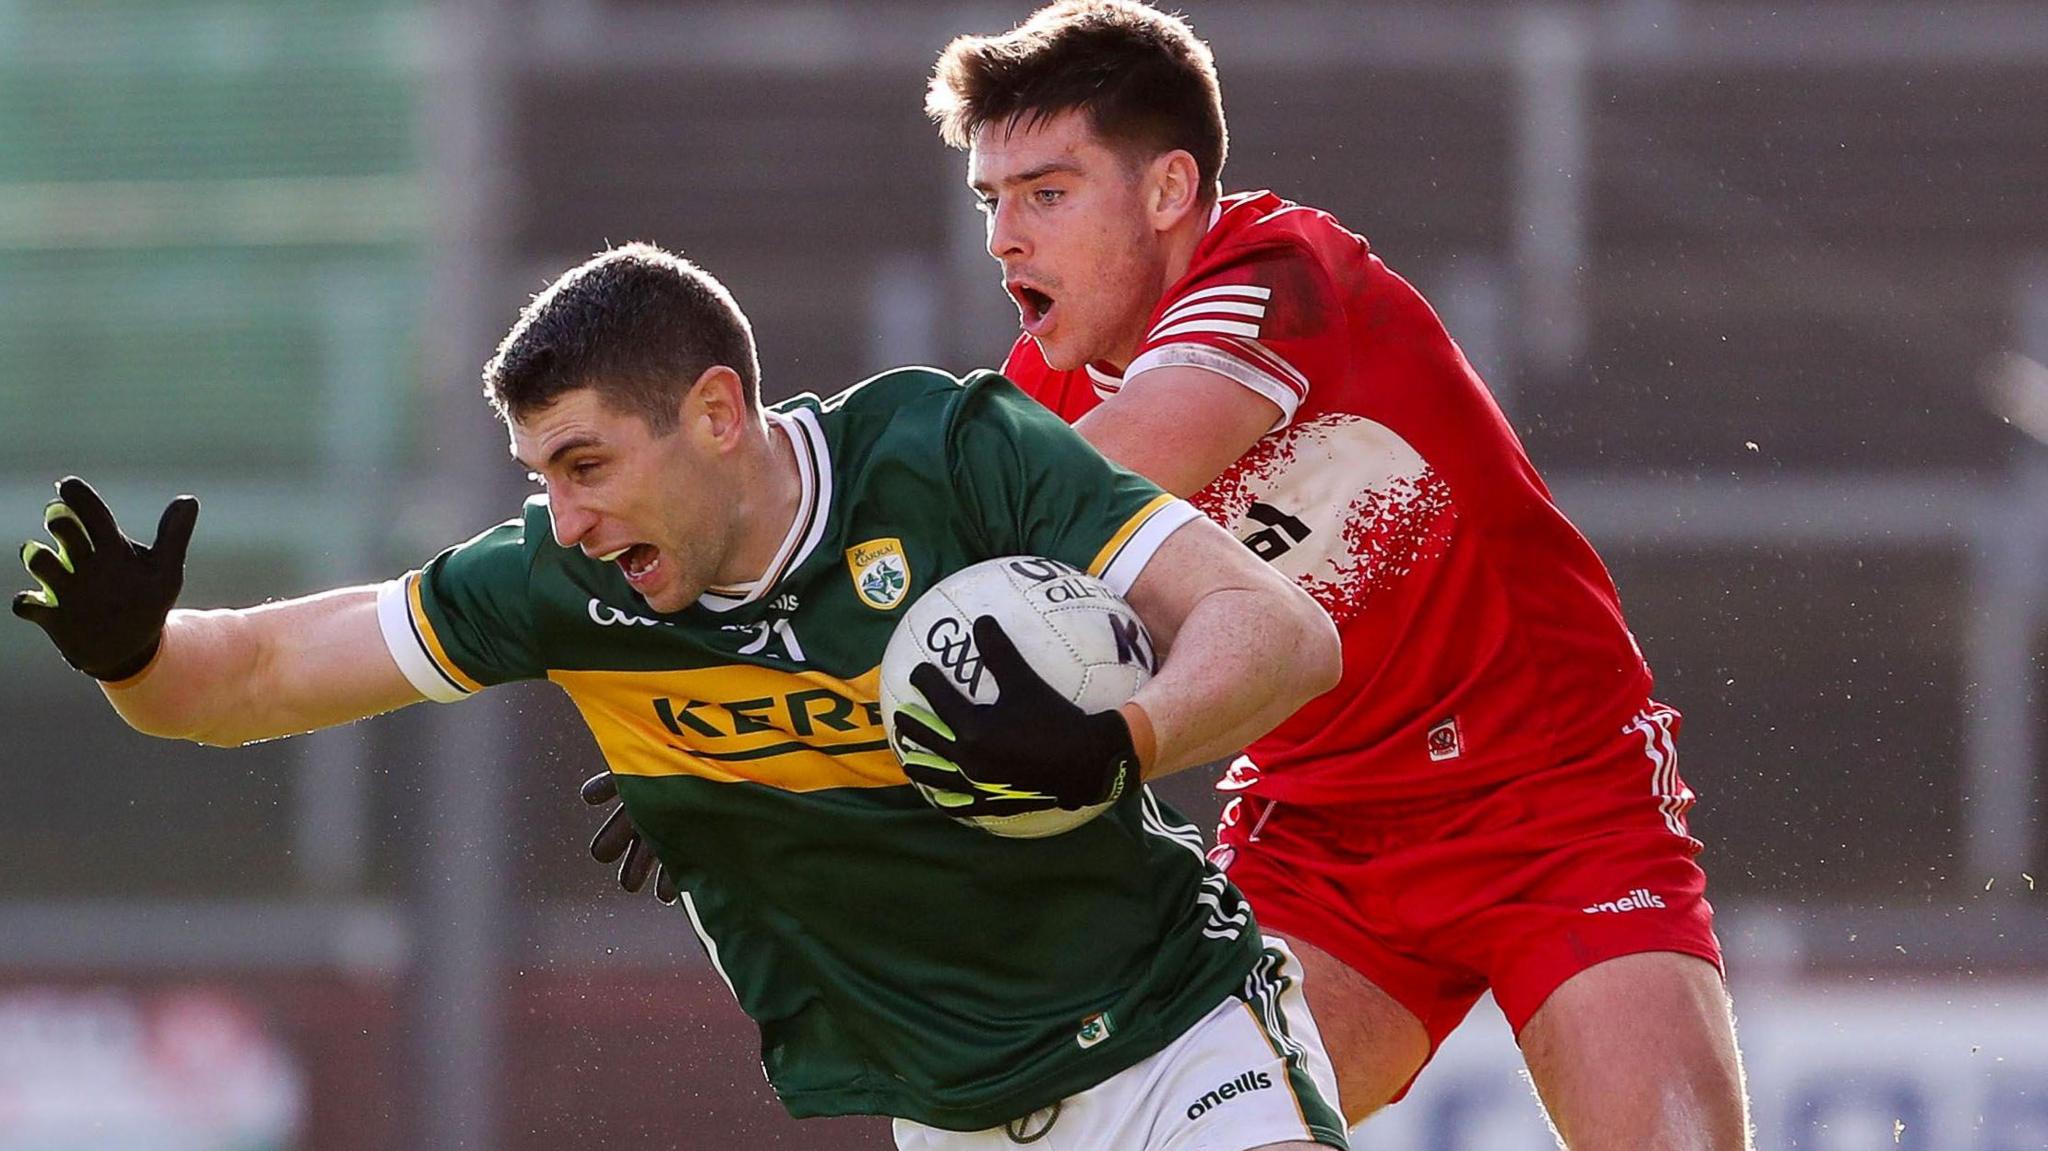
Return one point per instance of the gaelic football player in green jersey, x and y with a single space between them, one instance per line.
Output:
690 579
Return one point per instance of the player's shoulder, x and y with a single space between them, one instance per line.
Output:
529 542
1265 263
504 557
880 403
534 520
900 394
1247 221
522 561
881 393
904 411
1258 236
522 535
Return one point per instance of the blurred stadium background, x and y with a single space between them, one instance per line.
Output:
1764 287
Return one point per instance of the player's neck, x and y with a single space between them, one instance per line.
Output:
1180 243
1178 254
765 504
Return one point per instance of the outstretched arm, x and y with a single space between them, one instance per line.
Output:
217 677
227 678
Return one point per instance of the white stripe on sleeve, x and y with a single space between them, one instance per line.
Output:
1215 307
1137 551
394 619
1238 291
1251 313
1206 324
1257 377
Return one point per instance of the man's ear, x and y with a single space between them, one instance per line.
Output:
715 406
1173 189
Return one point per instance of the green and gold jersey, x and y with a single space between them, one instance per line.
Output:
898 963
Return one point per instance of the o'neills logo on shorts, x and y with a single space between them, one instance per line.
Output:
1635 900
1244 1084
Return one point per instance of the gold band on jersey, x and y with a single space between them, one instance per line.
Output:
424 629
741 723
1107 557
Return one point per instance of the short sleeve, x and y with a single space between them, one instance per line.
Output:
1271 320
1030 485
464 621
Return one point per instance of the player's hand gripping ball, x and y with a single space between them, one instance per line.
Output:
1000 690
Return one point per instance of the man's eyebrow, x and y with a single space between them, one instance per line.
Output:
1049 168
564 448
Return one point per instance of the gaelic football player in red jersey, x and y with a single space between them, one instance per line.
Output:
1490 800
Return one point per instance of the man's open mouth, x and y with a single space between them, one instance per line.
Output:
1033 305
640 562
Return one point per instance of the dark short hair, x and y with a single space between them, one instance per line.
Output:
1143 79
636 323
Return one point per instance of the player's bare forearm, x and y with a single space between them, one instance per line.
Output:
232 677
1241 652
1243 663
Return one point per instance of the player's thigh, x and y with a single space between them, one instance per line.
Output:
1638 1053
1375 1044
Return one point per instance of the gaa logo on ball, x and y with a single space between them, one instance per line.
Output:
1077 633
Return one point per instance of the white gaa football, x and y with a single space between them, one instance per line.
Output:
1077 634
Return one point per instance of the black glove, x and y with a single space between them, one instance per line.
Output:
1029 750
618 839
104 596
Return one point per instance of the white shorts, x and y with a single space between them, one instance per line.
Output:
1253 1072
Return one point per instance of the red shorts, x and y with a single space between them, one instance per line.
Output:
1514 889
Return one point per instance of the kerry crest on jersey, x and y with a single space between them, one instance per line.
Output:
881 572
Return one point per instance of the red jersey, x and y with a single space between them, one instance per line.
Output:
1482 636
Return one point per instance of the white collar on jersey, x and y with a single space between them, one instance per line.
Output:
813 508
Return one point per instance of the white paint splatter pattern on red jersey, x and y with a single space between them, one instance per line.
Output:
1340 504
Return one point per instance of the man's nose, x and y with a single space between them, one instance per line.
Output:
570 522
1006 238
